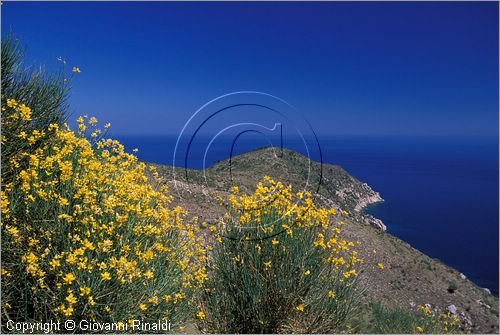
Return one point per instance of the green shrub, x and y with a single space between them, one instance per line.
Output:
424 320
44 93
392 321
452 287
275 272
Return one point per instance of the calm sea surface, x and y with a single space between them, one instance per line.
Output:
441 193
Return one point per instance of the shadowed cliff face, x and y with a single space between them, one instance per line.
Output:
409 277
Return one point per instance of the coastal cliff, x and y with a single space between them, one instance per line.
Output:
368 200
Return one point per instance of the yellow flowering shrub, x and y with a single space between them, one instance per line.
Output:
436 320
88 232
280 263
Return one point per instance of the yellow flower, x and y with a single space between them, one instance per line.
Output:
148 274
380 266
69 278
153 300
235 189
76 69
25 112
351 273
275 241
31 258
13 230
66 311
300 308
105 276
267 265
143 307
307 273
331 294
107 309
71 259
11 103
54 263
88 245
424 309
63 202
84 291
420 330
71 299
148 255
200 315
106 245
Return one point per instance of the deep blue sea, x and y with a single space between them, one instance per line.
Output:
441 193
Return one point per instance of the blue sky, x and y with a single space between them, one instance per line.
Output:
351 68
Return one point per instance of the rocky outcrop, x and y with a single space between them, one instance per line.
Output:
374 222
359 196
369 197
368 200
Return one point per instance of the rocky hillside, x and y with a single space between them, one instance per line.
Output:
409 278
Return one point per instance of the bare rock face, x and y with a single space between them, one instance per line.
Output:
364 202
452 309
365 197
374 222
